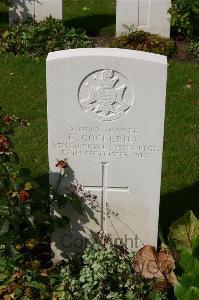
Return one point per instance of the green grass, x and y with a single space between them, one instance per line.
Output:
180 176
96 16
3 15
22 91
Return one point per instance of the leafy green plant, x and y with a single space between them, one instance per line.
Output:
144 41
194 47
105 272
42 38
183 16
25 219
184 239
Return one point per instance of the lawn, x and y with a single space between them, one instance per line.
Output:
96 16
3 15
22 92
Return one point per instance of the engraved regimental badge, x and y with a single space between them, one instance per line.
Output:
105 95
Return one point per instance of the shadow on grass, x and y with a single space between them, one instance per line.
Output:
93 24
174 205
196 23
3 18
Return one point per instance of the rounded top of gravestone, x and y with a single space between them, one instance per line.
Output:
109 52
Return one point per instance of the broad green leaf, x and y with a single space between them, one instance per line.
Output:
14 253
6 34
3 276
4 210
130 296
28 186
196 247
190 276
37 285
2 264
192 294
31 185
25 298
183 232
186 260
4 227
179 291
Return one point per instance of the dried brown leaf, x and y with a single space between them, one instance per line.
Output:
151 264
146 263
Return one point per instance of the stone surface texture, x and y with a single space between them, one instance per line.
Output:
148 15
45 8
21 10
106 117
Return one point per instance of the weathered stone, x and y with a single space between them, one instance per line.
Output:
106 117
38 10
148 15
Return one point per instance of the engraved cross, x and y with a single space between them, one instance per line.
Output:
104 189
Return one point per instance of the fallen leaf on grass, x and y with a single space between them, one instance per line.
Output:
189 84
152 264
85 8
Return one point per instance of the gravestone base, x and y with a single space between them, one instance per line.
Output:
148 15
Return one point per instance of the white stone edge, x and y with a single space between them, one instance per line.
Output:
112 52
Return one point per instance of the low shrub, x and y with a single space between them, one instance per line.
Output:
103 272
25 219
144 41
43 37
106 272
194 47
184 16
184 240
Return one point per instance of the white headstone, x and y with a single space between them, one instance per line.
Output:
21 10
106 117
148 15
45 8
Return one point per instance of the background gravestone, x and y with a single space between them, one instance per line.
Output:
106 117
21 10
45 8
148 15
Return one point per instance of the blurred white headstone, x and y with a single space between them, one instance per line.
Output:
148 15
38 10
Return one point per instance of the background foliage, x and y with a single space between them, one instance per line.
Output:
144 41
185 17
42 38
